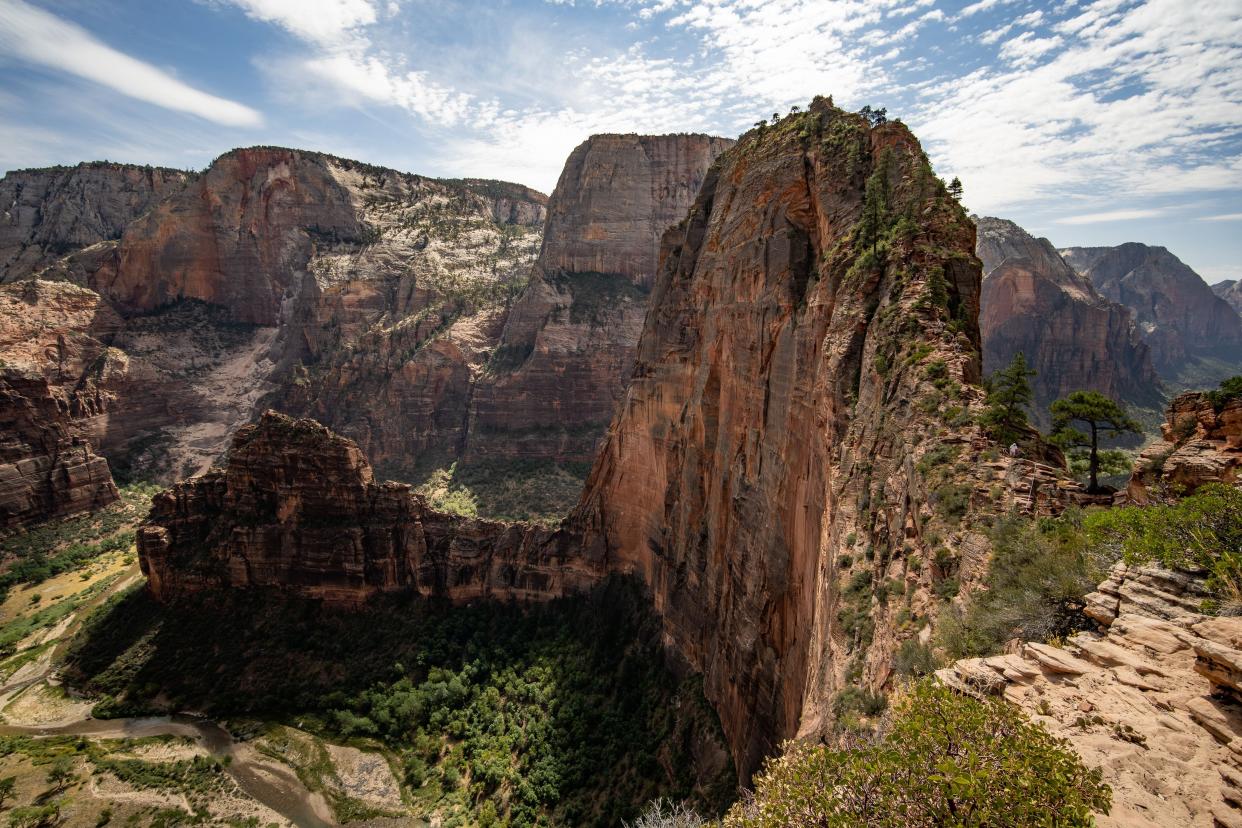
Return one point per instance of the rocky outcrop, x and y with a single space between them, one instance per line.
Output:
569 341
48 213
1074 338
46 470
1201 443
784 433
296 508
1150 698
1180 317
1231 291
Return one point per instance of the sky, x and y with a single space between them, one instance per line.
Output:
1091 122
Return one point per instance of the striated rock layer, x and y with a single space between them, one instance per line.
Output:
569 341
812 325
45 469
1074 338
1231 291
1201 443
296 508
1150 698
1181 318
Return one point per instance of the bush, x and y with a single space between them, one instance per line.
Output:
947 760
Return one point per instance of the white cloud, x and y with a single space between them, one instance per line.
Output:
324 22
36 36
1112 215
1025 48
1222 217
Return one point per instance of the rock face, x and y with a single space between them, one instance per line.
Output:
1149 698
822 285
1202 443
45 469
1231 291
48 213
296 508
1180 317
367 297
569 341
1074 338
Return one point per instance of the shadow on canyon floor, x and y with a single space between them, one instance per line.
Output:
561 713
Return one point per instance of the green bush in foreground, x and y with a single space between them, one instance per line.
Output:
948 760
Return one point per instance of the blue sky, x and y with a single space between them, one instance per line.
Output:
1088 121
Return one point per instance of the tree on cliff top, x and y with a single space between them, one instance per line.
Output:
947 759
1102 417
1009 393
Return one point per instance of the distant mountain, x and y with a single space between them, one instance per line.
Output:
1195 336
1231 292
1074 338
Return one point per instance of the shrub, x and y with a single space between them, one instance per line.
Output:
664 813
947 760
914 659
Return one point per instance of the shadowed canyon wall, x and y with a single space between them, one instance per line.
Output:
1035 303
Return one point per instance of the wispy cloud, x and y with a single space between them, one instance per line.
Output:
1223 217
1111 215
38 37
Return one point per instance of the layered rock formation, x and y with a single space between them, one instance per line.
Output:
1033 302
569 341
1231 291
48 213
296 508
813 323
45 469
1201 443
1182 320
1150 698
367 297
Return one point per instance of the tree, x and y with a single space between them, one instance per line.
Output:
955 188
60 775
1101 416
8 786
947 759
1009 393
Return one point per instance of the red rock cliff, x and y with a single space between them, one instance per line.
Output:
1035 303
1201 443
822 291
569 341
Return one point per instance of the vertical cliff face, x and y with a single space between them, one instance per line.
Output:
1231 291
1035 303
1179 315
48 213
568 344
813 319
46 468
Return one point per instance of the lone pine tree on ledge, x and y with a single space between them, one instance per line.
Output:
1100 415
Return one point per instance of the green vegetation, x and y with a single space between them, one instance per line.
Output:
946 760
13 632
559 714
1200 532
56 547
1229 390
1009 395
526 490
1102 416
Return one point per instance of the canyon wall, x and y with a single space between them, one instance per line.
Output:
569 340
1195 336
787 438
1231 291
51 212
1033 302
296 508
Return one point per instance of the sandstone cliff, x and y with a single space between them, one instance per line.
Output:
45 469
1201 443
1180 317
51 212
1035 303
812 336
1231 291
1149 698
296 508
568 344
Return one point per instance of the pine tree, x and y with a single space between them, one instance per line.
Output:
1102 417
1009 394
955 188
